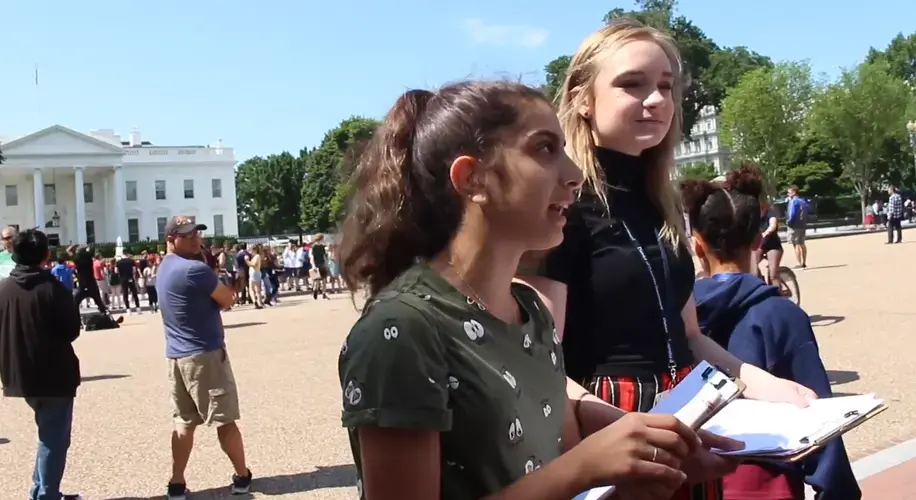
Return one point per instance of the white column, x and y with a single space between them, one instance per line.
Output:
38 197
120 221
79 196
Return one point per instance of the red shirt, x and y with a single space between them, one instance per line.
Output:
97 267
763 482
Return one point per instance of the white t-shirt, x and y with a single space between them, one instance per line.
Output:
289 258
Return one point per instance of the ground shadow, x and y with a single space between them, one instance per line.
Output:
840 377
832 266
243 325
824 320
842 394
335 476
4 440
94 378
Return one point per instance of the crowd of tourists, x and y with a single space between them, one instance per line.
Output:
532 295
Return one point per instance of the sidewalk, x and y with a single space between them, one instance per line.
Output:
888 474
834 232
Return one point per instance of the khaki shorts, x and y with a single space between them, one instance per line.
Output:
797 235
203 389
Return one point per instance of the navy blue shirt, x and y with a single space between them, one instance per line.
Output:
761 327
191 318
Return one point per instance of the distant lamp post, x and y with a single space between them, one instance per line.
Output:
911 128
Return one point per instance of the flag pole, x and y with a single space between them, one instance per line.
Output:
38 103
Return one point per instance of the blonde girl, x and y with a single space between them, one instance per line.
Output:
620 284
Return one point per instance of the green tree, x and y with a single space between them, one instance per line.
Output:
900 55
858 114
813 179
2 159
701 170
267 193
726 67
327 172
762 118
555 75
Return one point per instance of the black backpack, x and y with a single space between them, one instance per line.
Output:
102 321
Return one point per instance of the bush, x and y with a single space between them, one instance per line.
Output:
107 249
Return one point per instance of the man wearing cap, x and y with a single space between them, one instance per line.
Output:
202 385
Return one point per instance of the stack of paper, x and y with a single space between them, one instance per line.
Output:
782 430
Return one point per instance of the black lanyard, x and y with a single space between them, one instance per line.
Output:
672 364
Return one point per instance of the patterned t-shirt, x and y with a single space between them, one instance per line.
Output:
425 357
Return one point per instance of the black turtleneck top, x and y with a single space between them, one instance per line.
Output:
613 320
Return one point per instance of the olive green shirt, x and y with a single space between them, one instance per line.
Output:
424 356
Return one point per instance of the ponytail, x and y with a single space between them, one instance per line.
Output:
403 206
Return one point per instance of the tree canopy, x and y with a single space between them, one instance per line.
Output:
762 117
862 115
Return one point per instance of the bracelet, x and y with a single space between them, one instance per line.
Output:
576 406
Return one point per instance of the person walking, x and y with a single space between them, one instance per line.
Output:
127 271
797 224
894 215
202 384
38 323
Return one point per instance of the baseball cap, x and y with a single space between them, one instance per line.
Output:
181 225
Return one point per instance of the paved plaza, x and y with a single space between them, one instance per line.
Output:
857 291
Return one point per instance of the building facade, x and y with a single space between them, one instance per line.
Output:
704 145
96 187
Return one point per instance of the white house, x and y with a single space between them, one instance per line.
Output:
704 145
85 188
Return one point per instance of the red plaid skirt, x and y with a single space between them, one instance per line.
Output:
638 394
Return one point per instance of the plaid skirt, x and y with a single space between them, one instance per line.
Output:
638 394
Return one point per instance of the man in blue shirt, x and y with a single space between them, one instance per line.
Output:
63 273
797 224
202 383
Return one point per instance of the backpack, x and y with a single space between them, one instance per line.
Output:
801 218
101 321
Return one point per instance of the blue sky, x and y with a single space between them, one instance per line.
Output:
267 76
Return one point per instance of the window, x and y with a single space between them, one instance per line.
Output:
12 195
160 227
216 188
160 190
87 193
133 230
130 190
50 194
90 231
188 189
218 225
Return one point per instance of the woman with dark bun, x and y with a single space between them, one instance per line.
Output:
759 326
453 381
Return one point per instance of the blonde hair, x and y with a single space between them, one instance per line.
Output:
577 91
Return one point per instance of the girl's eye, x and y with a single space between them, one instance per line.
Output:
547 147
665 85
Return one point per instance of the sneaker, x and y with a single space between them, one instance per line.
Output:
177 491
241 485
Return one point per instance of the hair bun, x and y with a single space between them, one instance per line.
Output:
745 179
694 192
